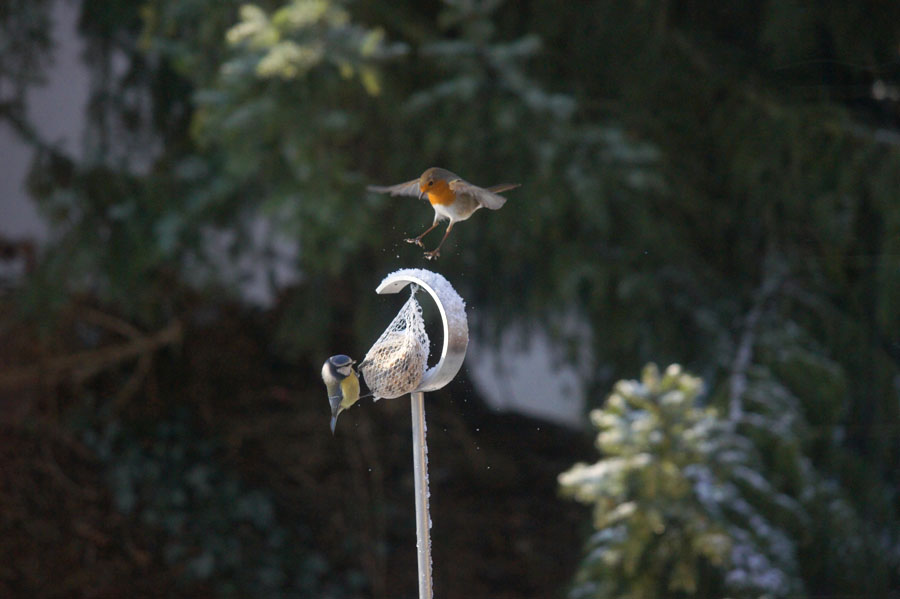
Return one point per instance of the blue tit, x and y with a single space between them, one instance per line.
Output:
342 384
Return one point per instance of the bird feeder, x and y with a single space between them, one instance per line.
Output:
404 362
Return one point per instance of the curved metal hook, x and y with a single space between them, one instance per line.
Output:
453 314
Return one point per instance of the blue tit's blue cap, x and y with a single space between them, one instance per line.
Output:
340 360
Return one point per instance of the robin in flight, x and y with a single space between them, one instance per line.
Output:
452 198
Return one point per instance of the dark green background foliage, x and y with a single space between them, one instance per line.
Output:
713 184
219 531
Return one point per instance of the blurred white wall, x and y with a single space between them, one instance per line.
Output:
57 110
527 375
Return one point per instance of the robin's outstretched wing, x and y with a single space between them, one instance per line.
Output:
486 197
410 188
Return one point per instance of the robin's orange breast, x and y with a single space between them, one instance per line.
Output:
440 193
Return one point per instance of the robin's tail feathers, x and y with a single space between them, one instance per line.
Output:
503 187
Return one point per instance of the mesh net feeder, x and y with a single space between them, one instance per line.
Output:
396 365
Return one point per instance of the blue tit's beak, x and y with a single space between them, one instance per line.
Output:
333 423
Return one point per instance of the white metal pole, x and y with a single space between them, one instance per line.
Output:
420 478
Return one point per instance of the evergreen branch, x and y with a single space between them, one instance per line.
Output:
698 60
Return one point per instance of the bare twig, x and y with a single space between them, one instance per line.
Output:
771 283
133 384
110 323
83 365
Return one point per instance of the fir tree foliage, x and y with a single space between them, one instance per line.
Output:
790 411
713 185
681 506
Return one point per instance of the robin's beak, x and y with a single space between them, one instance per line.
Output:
422 193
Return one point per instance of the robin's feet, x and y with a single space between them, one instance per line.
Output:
433 254
415 241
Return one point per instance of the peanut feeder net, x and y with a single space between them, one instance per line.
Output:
395 364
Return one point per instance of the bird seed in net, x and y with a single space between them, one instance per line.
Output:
396 363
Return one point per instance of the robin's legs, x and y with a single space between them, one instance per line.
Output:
433 254
418 240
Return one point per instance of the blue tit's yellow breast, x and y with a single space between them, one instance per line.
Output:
349 390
